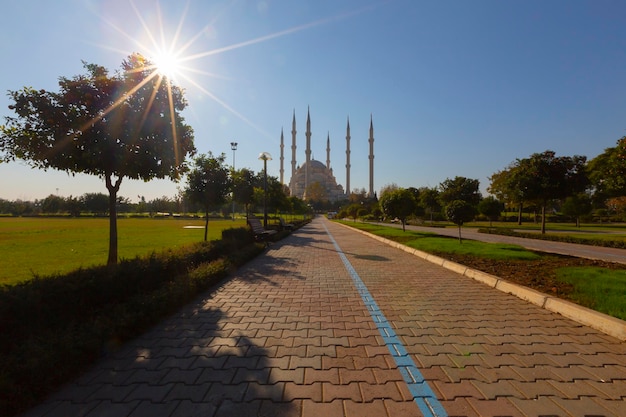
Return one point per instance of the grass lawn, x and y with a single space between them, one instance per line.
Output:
430 242
598 288
44 246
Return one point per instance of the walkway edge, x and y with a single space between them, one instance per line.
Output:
604 323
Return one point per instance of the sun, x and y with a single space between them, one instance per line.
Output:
167 64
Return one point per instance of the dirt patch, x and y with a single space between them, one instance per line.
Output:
538 274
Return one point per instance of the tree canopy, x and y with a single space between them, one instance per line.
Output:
460 188
398 203
208 183
459 212
552 178
125 125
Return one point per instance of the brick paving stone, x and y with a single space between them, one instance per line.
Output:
499 407
452 390
537 389
586 407
194 393
613 390
350 391
356 409
273 409
390 390
540 407
299 391
327 409
401 408
459 407
150 409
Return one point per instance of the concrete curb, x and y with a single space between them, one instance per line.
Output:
606 324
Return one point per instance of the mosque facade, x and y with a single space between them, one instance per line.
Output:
313 174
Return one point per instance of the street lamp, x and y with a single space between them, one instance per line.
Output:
265 156
233 146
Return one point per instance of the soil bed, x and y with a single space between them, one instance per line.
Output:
539 274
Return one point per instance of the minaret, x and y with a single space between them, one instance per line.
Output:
308 151
328 151
293 145
348 159
293 154
282 157
371 141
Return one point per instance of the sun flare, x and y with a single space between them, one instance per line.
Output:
167 64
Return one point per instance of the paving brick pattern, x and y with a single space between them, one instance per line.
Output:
289 335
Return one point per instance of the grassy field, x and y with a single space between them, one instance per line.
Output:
43 246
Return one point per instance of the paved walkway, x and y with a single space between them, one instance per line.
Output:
331 323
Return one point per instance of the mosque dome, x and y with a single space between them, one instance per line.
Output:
320 173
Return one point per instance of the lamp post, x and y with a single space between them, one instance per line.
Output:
265 156
233 146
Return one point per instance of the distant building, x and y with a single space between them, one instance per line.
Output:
313 171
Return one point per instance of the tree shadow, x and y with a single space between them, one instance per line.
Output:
198 362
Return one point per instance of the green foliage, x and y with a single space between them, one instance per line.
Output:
459 212
490 207
576 206
208 183
52 328
243 187
607 172
600 289
398 203
460 188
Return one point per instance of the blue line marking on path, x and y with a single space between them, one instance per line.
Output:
423 395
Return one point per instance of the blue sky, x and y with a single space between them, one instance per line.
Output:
455 88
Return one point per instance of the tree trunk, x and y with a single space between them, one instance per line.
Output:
206 224
543 219
113 189
519 214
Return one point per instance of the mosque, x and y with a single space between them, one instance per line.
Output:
313 171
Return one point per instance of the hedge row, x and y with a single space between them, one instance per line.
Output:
620 244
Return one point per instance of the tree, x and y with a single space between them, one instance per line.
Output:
491 208
316 195
97 203
607 172
126 125
208 183
429 199
459 212
576 206
460 188
510 186
399 204
52 204
243 188
552 178
353 211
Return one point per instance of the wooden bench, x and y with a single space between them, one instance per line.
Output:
258 230
284 225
